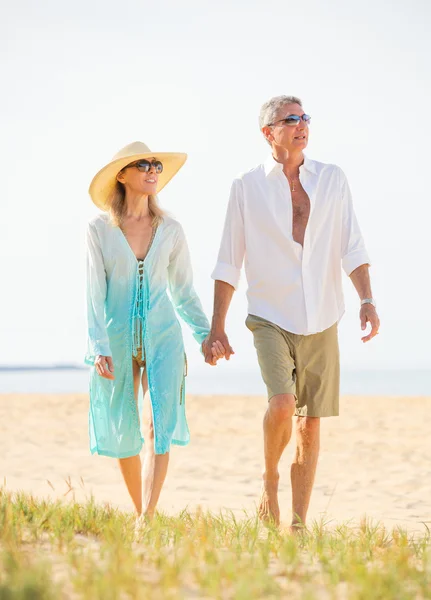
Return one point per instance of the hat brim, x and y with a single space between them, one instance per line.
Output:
104 182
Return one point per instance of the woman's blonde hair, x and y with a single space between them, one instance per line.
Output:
117 205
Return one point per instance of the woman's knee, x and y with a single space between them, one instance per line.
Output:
282 406
149 429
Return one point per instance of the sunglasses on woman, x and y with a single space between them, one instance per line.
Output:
292 120
145 166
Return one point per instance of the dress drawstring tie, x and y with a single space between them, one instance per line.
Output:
140 309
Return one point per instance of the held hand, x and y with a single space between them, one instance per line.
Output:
218 350
104 366
216 346
208 355
369 315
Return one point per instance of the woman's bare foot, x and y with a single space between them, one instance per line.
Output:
141 523
269 511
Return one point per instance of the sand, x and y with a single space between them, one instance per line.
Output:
375 458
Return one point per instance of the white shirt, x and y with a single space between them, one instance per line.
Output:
297 288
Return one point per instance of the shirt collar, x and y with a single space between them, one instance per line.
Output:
271 165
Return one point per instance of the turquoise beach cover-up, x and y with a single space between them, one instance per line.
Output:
121 297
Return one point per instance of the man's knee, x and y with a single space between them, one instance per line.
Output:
282 406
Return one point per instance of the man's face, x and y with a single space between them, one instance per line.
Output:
289 137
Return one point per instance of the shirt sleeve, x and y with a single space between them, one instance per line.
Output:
98 340
232 247
184 296
353 251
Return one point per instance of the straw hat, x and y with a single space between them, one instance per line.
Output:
104 181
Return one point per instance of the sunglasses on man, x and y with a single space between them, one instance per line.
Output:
292 120
145 165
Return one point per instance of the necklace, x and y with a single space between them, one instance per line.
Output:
292 183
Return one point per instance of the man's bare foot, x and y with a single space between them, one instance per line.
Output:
269 511
297 528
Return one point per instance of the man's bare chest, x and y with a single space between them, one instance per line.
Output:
300 213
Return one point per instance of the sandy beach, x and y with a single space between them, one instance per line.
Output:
375 458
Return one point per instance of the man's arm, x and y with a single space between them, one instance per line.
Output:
355 259
361 280
227 272
223 293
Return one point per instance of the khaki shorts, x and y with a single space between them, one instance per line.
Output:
307 366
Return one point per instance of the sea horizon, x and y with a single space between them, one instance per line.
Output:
73 378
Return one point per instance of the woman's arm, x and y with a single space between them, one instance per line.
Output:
99 351
184 297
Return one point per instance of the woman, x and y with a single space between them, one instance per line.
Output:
134 253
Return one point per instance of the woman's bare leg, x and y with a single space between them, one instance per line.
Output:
131 467
155 465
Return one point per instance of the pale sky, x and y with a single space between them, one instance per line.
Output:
80 80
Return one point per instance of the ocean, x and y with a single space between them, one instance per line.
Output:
216 381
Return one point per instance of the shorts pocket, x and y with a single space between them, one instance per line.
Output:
252 322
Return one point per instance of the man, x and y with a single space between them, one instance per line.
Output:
292 220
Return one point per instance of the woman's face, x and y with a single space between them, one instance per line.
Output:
140 182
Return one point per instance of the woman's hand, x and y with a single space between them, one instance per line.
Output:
206 351
104 366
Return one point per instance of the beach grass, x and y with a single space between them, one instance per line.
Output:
57 550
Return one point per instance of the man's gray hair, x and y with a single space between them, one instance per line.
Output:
270 110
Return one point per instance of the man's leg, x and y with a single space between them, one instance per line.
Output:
318 389
277 366
277 429
304 466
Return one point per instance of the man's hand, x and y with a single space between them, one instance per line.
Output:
369 315
218 350
215 346
104 366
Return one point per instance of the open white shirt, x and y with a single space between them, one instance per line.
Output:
297 288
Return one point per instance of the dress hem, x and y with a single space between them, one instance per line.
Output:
95 450
113 455
180 443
